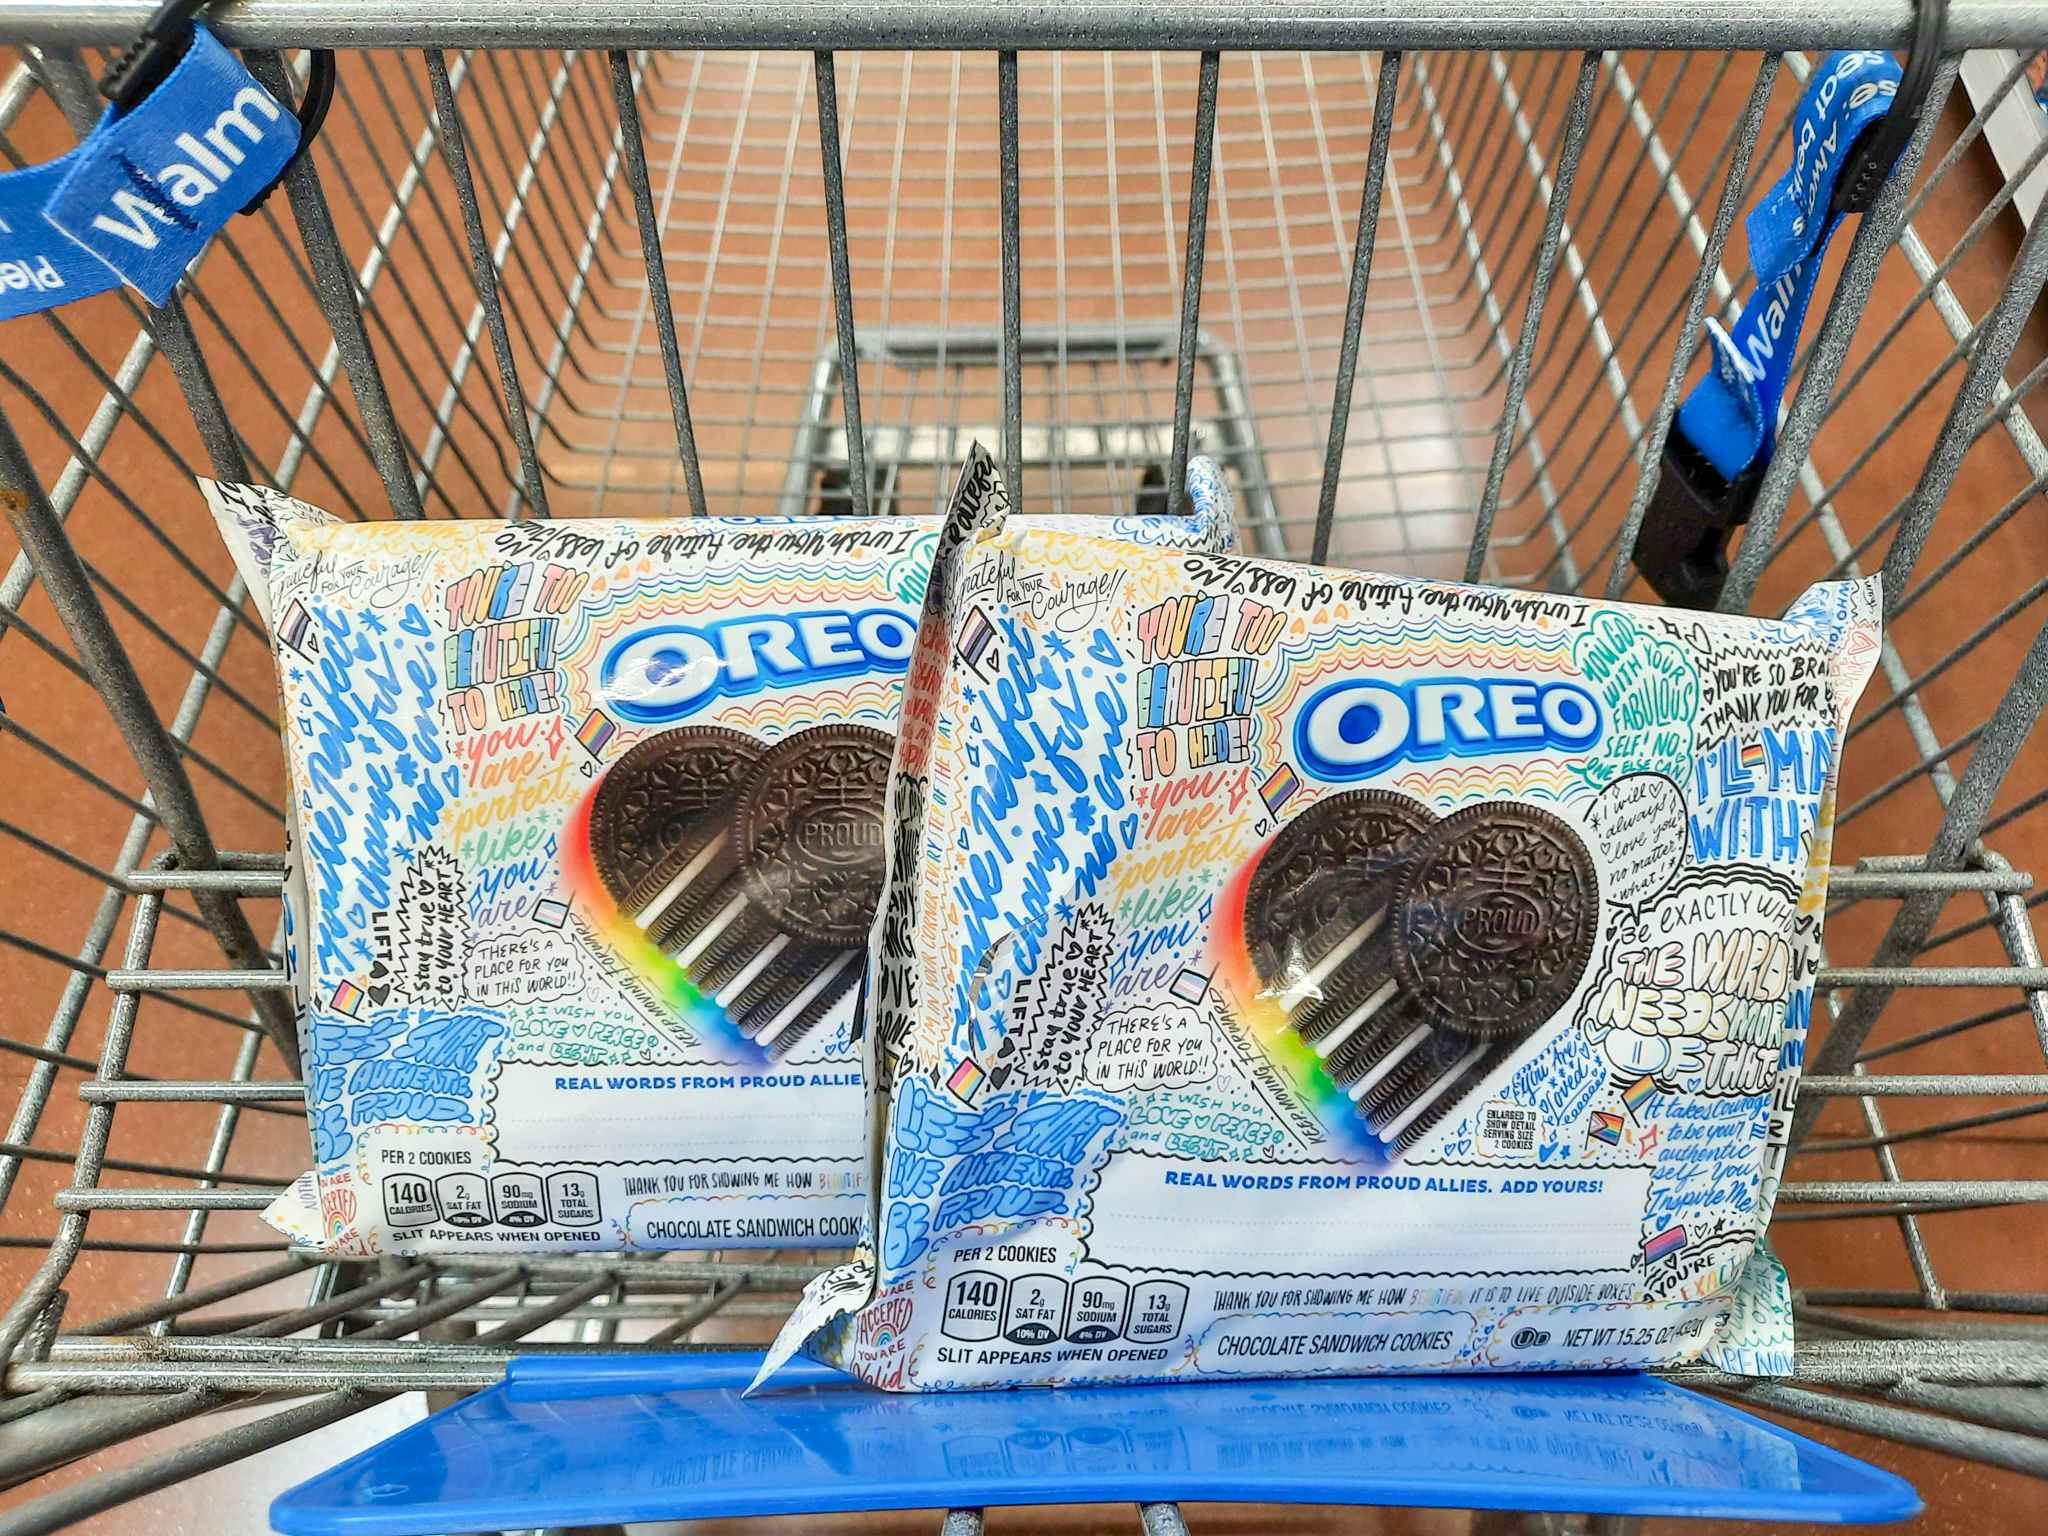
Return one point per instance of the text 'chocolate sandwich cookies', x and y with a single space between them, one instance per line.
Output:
585 843
1283 970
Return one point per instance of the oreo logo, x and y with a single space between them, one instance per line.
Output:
1360 726
665 673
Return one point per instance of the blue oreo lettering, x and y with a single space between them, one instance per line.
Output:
656 675
1355 728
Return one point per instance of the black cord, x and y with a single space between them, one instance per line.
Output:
1873 159
312 113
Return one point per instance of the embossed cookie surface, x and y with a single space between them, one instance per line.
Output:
1329 871
1495 920
654 802
810 825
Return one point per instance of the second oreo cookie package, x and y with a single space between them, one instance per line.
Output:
586 824
1286 971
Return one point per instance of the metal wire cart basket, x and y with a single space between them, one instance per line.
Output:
551 260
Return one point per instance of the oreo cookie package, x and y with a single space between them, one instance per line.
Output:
1287 971
586 825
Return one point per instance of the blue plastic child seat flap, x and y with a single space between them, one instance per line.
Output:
576 1439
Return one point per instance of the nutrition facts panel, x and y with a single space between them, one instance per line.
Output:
513 1198
982 1307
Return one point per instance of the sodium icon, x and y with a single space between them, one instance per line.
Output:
517 1199
1095 1315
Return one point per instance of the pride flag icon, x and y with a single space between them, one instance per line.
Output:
1604 1125
595 731
1280 788
976 636
348 998
1670 1240
966 1080
293 629
1639 1093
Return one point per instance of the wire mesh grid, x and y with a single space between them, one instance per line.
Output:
543 281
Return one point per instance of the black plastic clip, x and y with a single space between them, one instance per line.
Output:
145 63
1682 550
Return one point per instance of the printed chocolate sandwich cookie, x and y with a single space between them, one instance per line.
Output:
1404 1134
1495 920
766 930
766 902
680 904
1283 970
1364 1052
810 820
1398 1084
1315 913
660 809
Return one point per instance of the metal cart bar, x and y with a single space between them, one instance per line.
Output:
1188 24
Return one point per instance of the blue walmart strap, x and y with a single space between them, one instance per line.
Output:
1853 121
41 268
153 181
1731 416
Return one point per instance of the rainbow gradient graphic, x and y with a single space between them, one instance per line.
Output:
1267 1020
655 970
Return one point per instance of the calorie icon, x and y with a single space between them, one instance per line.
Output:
409 1201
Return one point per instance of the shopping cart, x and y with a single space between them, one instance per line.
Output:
565 260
